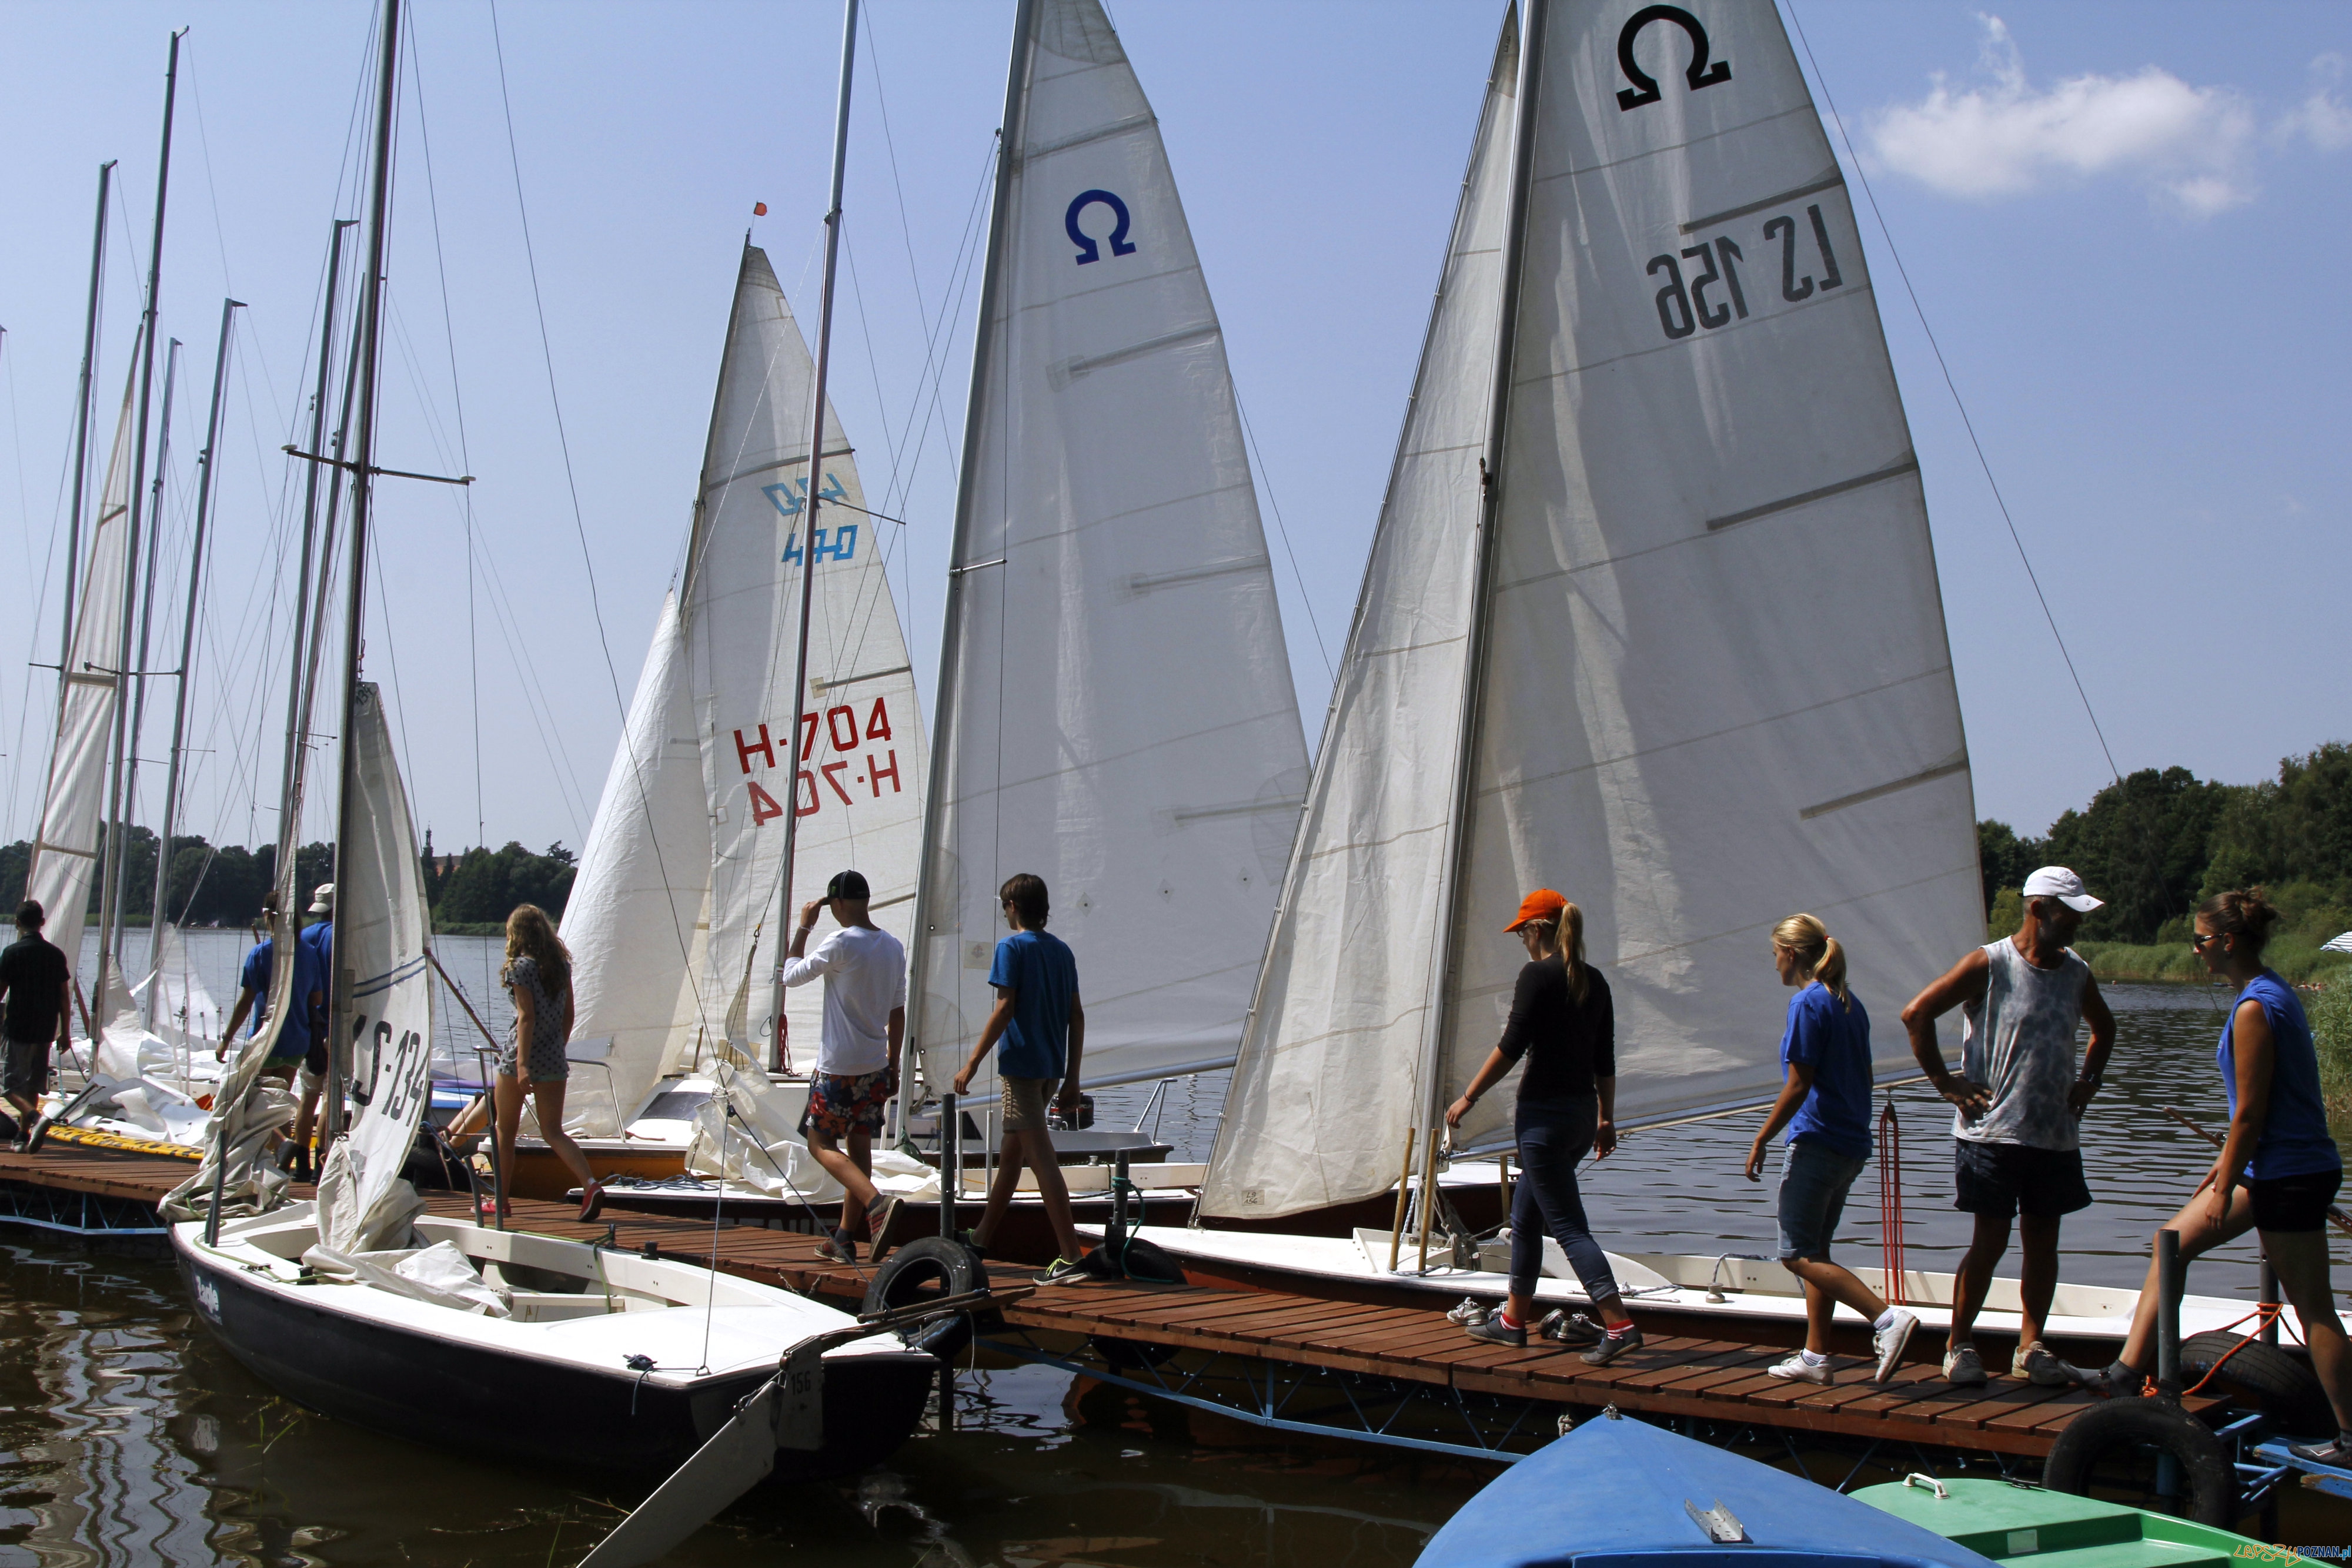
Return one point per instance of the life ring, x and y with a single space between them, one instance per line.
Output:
2132 1423
929 1267
2275 1382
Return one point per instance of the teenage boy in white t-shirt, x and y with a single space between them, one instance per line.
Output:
864 970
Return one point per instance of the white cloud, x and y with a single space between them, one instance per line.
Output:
2322 119
2192 146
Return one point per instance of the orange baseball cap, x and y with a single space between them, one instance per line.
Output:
1543 903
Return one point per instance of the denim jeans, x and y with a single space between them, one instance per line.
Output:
1554 1135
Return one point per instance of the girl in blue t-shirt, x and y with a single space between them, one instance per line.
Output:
1825 1104
2278 1169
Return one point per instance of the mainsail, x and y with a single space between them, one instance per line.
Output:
67 850
1696 671
1116 712
382 924
674 921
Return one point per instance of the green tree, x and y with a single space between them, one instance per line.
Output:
2004 860
2141 845
485 885
2297 828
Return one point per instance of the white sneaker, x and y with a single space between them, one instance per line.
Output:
1799 1368
1962 1366
1888 1343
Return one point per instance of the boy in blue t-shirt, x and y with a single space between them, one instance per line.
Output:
1043 1030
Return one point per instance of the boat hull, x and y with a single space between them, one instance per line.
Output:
442 1391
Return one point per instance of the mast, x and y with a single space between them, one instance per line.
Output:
339 990
109 910
297 710
81 436
1532 15
187 646
121 891
785 914
1016 93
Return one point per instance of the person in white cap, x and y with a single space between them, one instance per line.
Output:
2017 1101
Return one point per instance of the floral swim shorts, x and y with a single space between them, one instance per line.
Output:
837 1106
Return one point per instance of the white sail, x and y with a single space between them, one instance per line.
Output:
65 850
857 778
630 922
1116 698
381 926
1716 687
1319 1102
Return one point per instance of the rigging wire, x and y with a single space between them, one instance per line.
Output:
1266 482
1983 462
514 159
465 452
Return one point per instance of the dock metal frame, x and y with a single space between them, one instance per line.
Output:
84 1214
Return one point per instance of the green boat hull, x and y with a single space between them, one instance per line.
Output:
2059 1530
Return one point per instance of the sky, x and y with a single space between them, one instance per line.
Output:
2124 225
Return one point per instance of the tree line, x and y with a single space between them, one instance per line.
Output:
224 884
2157 842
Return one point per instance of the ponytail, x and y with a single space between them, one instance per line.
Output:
1565 935
1820 956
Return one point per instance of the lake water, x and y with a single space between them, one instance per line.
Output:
127 1437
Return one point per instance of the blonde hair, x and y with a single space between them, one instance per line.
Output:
1566 934
532 935
1819 955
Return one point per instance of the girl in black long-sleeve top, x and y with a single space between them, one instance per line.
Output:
1564 1026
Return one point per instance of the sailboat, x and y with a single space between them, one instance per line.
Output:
1107 534
1651 617
1115 708
673 919
358 1304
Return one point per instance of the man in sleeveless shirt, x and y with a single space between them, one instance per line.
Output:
2017 1101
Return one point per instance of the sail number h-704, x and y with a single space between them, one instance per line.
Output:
838 727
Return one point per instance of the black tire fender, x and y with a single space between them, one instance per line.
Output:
2205 1468
2278 1383
928 1266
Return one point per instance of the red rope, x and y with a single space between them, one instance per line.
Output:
1890 1200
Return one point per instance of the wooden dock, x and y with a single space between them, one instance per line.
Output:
1350 1344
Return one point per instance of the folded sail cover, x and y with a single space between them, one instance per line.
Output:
1715 687
1116 700
381 929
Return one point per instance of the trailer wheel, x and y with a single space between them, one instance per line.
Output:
928 1268
2275 1382
2119 1429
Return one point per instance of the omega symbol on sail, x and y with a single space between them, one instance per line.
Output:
1088 250
1645 87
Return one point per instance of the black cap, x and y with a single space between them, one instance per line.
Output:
847 884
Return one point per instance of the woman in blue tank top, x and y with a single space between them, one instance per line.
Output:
2278 1169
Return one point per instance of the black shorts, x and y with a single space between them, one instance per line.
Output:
2292 1204
314 1060
28 1071
2002 1180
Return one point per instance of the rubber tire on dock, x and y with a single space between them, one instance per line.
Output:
2277 1382
930 1266
2120 1423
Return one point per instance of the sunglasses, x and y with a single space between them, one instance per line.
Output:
2198 939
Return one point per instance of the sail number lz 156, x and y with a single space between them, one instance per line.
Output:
1710 293
839 730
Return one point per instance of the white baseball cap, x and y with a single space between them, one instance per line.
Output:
2056 882
322 899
